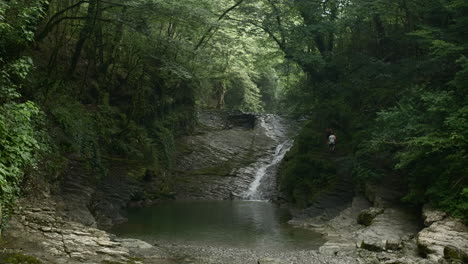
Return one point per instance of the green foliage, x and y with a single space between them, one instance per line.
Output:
392 76
21 137
11 75
123 81
269 84
94 133
18 145
166 144
428 146
18 20
244 94
76 124
305 171
18 258
363 174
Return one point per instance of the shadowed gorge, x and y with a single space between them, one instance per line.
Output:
233 131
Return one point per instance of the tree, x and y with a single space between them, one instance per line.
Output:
20 139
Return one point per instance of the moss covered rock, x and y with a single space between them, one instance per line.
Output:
18 258
454 253
365 217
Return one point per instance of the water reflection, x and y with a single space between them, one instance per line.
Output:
218 223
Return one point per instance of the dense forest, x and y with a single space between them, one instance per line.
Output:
105 80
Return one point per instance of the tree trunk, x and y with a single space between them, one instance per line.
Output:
84 34
220 93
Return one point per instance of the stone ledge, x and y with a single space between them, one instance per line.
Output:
448 234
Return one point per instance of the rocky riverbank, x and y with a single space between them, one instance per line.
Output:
389 235
219 162
443 237
39 234
379 229
37 229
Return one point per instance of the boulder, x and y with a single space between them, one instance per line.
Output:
431 215
393 245
454 253
365 217
373 244
388 230
443 238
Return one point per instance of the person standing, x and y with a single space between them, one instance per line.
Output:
331 142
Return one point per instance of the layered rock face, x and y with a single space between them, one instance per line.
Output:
220 160
444 238
41 230
92 202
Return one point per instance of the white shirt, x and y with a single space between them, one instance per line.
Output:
331 139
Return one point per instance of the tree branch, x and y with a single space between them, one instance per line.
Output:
51 23
207 33
280 43
278 21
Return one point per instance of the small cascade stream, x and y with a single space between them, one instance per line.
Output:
263 185
267 171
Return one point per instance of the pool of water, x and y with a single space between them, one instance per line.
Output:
241 224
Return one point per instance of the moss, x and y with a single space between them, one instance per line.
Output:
307 170
18 258
366 217
453 253
218 170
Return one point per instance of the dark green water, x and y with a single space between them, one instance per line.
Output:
241 224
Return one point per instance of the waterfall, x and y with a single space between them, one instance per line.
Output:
267 170
264 170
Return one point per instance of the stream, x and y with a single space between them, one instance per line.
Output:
250 221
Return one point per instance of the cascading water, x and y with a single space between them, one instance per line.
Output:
267 171
250 223
264 182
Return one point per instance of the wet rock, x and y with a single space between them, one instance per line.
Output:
134 244
242 119
431 215
335 248
269 261
45 233
113 252
46 229
368 257
373 244
389 230
366 216
113 194
393 245
107 243
454 253
217 163
78 256
77 190
448 233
